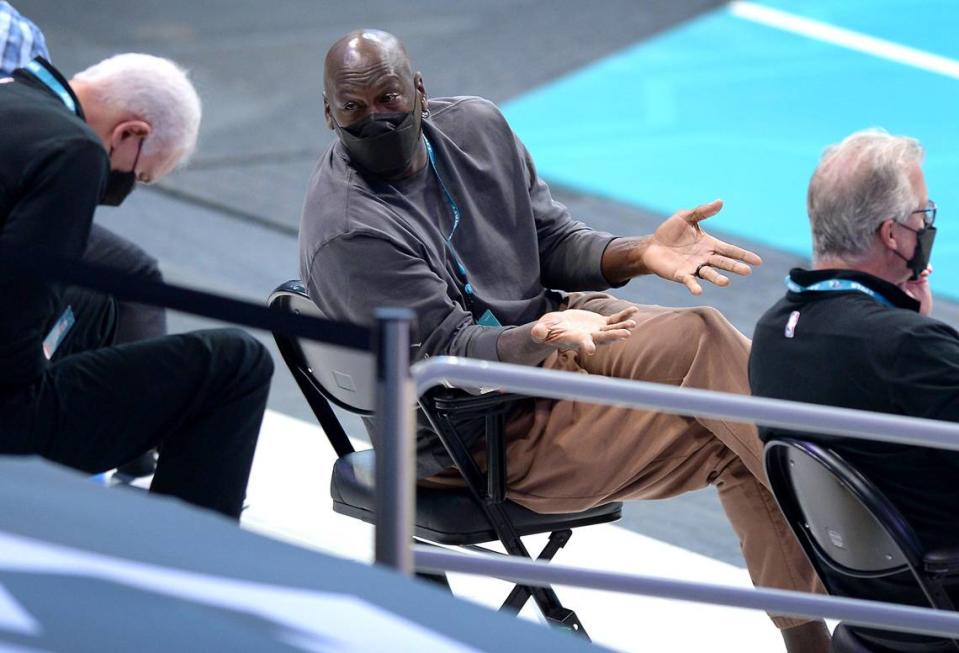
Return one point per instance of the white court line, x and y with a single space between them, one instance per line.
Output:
845 38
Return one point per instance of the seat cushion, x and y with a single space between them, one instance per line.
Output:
861 640
449 516
845 641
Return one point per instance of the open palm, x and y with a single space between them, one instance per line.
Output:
681 251
583 330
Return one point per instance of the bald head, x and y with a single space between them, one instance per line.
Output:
370 85
368 72
363 53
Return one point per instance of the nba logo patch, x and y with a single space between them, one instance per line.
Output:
790 331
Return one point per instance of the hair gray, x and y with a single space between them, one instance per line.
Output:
858 184
154 90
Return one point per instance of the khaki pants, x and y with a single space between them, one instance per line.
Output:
567 456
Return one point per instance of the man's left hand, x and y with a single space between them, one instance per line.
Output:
681 251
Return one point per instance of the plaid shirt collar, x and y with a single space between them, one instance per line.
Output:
20 40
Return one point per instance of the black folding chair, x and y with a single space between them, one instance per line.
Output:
474 514
848 528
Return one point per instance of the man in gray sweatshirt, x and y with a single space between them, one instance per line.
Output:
435 204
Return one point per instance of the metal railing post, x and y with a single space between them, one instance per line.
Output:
395 452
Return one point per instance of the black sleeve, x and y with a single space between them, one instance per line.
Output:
51 214
59 195
925 379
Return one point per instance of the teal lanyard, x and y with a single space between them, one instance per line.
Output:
455 211
44 76
837 285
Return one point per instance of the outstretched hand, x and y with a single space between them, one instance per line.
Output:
681 251
583 330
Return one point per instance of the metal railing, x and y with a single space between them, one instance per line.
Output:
395 483
925 621
807 418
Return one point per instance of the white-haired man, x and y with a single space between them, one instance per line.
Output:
21 41
65 393
855 332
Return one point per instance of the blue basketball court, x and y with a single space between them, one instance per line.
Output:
739 103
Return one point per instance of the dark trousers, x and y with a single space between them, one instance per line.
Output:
133 321
199 397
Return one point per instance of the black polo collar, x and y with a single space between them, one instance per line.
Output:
895 295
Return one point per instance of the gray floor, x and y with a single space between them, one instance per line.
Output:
258 67
227 222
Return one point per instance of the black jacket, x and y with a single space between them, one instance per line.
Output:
850 350
53 169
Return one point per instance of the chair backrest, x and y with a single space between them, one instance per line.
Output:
325 373
849 524
845 524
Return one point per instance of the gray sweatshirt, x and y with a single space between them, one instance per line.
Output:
366 242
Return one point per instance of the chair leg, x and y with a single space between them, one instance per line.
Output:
549 605
566 619
436 579
545 598
938 595
557 540
517 598
521 593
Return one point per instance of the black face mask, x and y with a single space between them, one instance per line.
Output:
120 184
920 255
383 143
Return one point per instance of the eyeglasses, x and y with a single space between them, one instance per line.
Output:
928 214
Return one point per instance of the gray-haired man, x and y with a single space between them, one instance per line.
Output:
66 393
855 332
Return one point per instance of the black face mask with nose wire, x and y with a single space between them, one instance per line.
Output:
383 143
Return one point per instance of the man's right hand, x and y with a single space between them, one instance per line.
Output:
921 291
583 330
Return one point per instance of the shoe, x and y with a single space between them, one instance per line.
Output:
139 467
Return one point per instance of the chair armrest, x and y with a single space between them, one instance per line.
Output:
452 403
461 403
942 562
